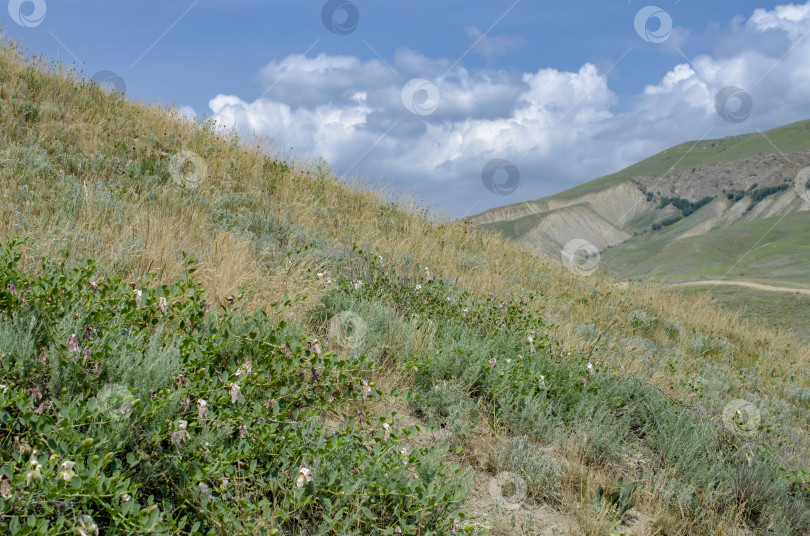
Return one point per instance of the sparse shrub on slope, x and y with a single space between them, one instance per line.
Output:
494 355
541 473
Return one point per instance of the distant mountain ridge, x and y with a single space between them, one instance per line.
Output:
687 191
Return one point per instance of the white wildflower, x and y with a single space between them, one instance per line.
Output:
366 390
85 526
34 470
245 368
235 391
202 409
205 490
66 473
590 368
304 476
5 486
180 435
163 305
73 343
386 430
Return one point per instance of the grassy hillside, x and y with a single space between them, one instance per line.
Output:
791 138
772 249
199 338
785 311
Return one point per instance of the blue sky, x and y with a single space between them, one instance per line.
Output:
556 92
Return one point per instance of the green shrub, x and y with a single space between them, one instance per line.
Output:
708 345
643 321
134 409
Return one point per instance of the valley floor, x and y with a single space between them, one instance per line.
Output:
748 284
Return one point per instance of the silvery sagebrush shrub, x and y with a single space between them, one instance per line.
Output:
541 473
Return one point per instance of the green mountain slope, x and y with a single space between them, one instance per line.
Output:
792 138
774 249
668 214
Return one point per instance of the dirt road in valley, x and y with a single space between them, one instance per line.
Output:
757 286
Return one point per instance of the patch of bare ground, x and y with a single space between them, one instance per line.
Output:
492 504
504 515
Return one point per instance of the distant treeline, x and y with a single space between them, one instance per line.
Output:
756 195
688 207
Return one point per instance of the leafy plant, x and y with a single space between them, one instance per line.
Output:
129 409
620 496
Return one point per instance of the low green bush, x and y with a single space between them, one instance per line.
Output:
130 409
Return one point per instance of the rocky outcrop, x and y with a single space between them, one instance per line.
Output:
715 179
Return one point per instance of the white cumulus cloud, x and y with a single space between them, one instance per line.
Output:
558 127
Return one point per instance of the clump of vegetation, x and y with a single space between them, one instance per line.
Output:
498 355
667 222
541 473
756 194
643 321
130 409
619 496
684 205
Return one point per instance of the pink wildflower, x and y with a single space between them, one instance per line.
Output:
73 343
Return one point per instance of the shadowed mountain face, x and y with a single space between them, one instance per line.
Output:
695 192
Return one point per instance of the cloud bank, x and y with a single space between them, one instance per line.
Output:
558 128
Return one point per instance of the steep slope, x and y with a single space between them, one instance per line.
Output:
197 337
